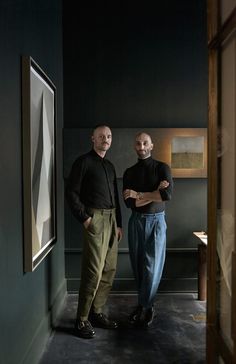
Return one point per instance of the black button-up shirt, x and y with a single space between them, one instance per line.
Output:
92 183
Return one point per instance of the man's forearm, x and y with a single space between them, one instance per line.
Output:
140 203
143 198
153 196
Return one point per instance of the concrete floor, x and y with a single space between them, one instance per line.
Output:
177 335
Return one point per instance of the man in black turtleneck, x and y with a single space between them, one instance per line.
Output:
93 197
146 187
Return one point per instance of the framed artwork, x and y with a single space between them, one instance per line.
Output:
183 149
39 163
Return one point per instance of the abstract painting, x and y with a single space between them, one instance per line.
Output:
39 172
187 152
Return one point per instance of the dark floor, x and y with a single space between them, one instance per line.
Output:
176 337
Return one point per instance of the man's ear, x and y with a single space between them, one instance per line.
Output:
152 145
92 138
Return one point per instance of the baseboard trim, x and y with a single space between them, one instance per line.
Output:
126 250
127 285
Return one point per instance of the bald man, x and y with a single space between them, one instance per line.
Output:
146 187
93 197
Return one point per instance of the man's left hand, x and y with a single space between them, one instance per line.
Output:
163 184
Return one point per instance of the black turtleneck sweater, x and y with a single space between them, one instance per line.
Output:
145 176
92 183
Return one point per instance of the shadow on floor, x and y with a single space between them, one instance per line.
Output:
177 335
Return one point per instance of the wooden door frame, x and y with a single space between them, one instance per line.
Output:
217 34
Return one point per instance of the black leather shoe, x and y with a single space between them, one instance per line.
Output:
84 329
102 321
149 316
135 317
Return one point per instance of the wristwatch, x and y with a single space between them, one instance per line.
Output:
139 195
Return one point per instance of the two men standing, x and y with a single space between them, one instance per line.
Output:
93 197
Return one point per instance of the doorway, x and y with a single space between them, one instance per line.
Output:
221 258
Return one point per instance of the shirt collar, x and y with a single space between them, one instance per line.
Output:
94 154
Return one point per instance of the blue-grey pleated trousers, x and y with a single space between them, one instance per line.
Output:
147 248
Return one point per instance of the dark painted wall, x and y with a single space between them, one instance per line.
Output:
28 301
136 67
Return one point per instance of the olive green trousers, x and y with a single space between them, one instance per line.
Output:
99 260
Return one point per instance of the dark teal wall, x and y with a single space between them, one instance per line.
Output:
136 66
28 301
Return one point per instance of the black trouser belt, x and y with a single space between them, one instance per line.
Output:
92 210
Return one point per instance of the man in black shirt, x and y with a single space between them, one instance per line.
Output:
93 197
146 187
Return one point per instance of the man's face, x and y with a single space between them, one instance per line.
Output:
143 146
102 139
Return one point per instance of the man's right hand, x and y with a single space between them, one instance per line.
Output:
87 222
129 193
